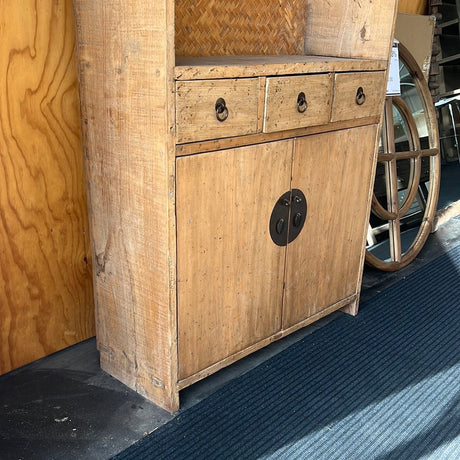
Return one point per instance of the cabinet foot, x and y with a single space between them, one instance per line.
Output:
140 377
351 308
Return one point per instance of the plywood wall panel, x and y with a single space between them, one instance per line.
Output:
412 6
46 297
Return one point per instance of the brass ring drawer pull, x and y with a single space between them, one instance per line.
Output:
301 103
360 96
221 109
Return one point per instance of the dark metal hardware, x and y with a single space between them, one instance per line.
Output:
297 220
221 109
279 219
290 207
280 226
298 214
285 201
301 103
360 96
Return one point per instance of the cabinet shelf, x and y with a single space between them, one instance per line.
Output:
216 67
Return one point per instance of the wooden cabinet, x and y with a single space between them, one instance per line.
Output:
297 101
196 108
229 185
324 262
229 272
235 286
357 95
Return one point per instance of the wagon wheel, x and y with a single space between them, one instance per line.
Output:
407 180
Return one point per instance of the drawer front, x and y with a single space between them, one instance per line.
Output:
284 107
357 95
196 114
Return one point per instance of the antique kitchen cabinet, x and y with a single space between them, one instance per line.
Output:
230 149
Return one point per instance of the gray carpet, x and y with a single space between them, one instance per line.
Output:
382 385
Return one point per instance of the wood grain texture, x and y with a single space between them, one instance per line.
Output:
196 114
343 304
232 142
345 89
229 290
281 112
412 6
334 170
230 273
350 28
198 68
126 65
46 297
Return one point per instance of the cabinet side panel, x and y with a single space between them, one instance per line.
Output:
350 28
334 171
230 273
125 68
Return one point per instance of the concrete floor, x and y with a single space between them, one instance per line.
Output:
65 406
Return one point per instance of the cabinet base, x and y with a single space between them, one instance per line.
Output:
140 377
351 308
349 302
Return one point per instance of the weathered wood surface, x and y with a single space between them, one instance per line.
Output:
334 170
346 85
282 111
196 68
230 273
46 297
349 28
196 118
127 67
240 141
126 64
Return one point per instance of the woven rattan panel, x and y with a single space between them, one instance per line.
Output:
240 27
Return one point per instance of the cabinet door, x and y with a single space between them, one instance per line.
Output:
324 263
229 271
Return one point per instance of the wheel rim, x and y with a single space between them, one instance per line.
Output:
389 209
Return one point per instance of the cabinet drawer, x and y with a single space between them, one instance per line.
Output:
349 104
196 117
284 107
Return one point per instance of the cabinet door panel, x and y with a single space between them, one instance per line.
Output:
230 273
323 264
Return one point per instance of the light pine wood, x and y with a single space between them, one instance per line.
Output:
350 28
395 210
281 112
231 142
126 67
345 89
230 273
46 296
344 304
198 68
196 114
334 170
229 290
